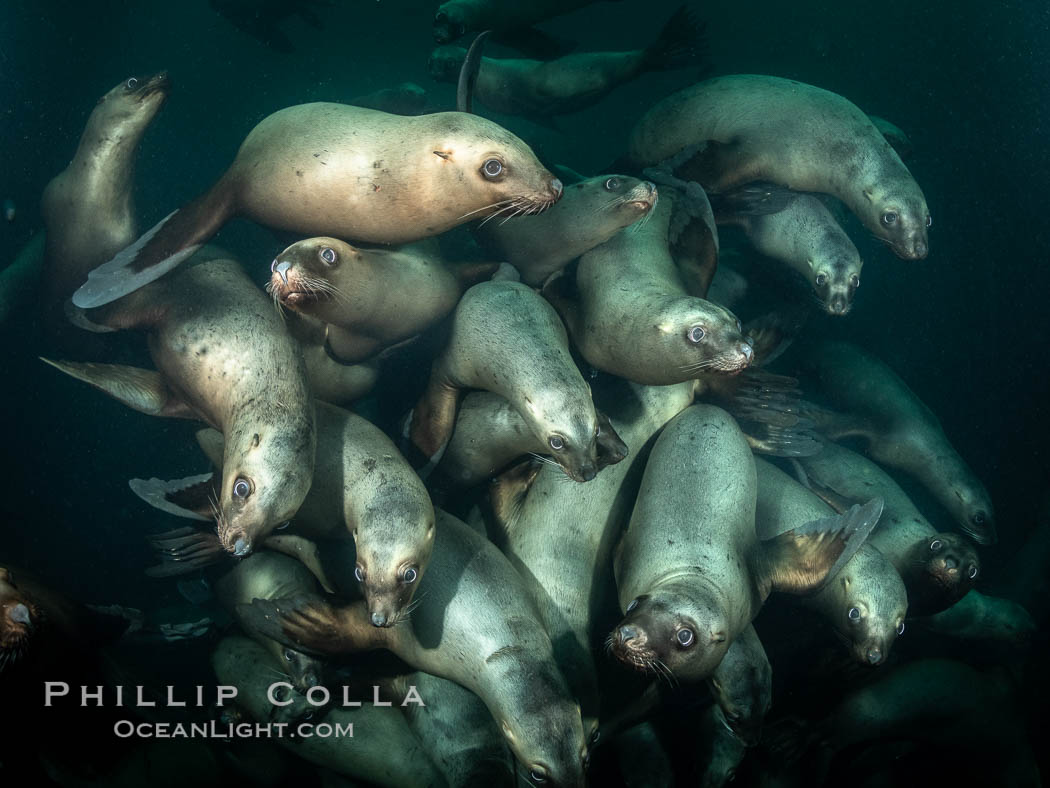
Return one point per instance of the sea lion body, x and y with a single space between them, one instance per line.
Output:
224 357
408 98
475 626
507 339
938 569
690 571
589 213
634 318
866 602
806 236
369 299
269 575
899 431
88 208
455 18
378 732
761 128
331 379
333 169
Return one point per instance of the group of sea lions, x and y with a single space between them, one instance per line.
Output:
566 531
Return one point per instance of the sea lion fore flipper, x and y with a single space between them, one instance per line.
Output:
188 497
507 492
679 44
801 560
212 443
184 550
306 622
140 389
468 73
768 409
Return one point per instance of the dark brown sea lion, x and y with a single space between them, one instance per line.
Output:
938 569
507 339
691 572
334 169
475 626
898 429
760 128
224 357
742 686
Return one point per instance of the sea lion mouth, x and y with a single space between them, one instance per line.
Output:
292 288
158 83
630 645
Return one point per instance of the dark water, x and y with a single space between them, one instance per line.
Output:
967 328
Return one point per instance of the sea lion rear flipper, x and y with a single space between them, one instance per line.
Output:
753 199
680 44
140 389
508 490
801 560
305 622
769 410
189 497
772 333
184 550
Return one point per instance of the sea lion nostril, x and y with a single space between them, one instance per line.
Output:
282 270
951 563
874 656
626 634
556 186
379 620
20 614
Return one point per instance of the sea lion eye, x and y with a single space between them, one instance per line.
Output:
598 431
889 218
537 776
633 604
328 255
612 184
696 335
929 221
492 168
410 575
854 281
900 629
359 574
595 737
308 716
973 571
289 654
556 442
242 488
936 545
978 518
854 614
685 637
821 280
131 84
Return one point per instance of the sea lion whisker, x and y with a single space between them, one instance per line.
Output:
510 207
486 207
541 458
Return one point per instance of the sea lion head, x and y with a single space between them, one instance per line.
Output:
872 603
572 437
671 632
972 508
304 671
743 691
449 23
268 467
698 336
546 733
391 565
19 619
506 177
835 274
445 63
136 98
301 276
898 215
618 199
943 569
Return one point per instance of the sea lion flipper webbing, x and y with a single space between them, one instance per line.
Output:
143 390
189 497
801 560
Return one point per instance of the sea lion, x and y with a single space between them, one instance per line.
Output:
223 357
633 317
19 617
894 135
408 98
383 751
362 488
589 213
491 433
760 128
333 169
544 88
331 379
21 279
476 627
898 429
719 751
938 569
269 575
806 236
981 617
88 208
742 686
690 572
369 299
866 603
571 587
259 18
506 339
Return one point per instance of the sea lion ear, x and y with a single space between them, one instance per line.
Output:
802 560
870 195
444 154
212 443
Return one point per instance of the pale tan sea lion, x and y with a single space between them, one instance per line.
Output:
633 318
866 602
224 357
938 569
898 429
333 169
383 750
507 339
690 572
589 213
476 626
762 128
88 208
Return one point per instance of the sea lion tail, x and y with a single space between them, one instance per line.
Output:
802 560
140 389
680 44
188 497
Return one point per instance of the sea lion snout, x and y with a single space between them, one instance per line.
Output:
20 614
875 655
